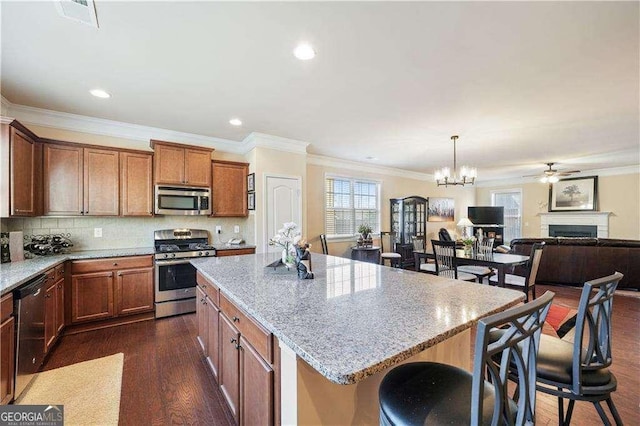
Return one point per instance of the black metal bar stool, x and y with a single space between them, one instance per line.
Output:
430 393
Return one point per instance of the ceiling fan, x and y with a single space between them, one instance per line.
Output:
552 175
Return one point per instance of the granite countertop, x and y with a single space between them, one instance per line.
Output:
354 319
14 274
225 246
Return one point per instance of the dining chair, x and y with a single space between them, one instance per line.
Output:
431 393
447 262
579 370
393 257
527 282
444 235
484 250
323 243
418 245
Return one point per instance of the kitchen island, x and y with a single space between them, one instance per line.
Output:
339 333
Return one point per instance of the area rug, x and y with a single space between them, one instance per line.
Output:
89 391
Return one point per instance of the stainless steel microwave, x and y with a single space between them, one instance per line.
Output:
177 200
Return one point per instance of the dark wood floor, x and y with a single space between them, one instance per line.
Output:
166 381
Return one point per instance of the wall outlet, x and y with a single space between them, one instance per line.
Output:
97 232
236 229
218 229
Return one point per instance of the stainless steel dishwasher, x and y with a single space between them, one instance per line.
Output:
29 306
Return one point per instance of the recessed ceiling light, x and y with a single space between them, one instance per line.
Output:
235 122
371 158
99 93
304 52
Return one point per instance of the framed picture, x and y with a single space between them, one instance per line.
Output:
574 194
251 200
440 210
251 182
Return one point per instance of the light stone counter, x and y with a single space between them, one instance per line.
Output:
13 274
354 319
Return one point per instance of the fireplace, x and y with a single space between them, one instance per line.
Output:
573 231
575 224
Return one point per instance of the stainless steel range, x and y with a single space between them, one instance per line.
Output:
175 283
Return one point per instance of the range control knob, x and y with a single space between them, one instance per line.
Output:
166 255
173 255
200 253
206 253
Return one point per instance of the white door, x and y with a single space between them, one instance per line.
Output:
283 204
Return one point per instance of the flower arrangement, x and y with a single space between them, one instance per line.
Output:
287 238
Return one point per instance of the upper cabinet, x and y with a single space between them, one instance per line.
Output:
21 159
229 188
176 164
80 181
136 184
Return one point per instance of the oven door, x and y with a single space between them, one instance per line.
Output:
175 280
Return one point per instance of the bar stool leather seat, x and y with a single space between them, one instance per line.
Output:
422 393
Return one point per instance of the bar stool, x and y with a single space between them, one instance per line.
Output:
431 393
323 243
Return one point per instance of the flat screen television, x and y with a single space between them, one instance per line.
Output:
486 215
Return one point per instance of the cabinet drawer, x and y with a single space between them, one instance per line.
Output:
6 306
259 338
235 252
110 264
209 288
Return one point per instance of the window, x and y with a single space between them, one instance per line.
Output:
511 200
349 203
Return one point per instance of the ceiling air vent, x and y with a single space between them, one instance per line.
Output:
78 10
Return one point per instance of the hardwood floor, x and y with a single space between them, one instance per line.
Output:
166 381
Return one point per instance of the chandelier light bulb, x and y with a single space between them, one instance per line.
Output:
553 179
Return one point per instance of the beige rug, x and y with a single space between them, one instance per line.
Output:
89 391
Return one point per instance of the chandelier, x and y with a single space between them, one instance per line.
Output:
467 175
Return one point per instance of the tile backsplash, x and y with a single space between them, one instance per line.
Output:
122 232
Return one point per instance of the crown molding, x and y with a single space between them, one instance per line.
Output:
100 126
613 171
4 106
319 160
279 143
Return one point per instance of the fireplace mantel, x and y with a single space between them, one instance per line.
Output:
599 219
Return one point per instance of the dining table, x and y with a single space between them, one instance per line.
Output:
498 261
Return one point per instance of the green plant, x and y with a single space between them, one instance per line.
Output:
364 229
468 241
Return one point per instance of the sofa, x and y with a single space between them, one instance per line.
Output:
572 261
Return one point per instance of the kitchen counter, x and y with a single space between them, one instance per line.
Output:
13 274
354 319
225 246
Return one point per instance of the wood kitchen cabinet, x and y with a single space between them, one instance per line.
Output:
177 164
134 291
80 181
112 287
207 317
7 348
53 306
136 184
245 363
21 171
229 189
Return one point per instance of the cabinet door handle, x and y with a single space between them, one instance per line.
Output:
115 264
236 319
233 340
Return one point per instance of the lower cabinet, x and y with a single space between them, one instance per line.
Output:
109 288
7 348
53 306
240 354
